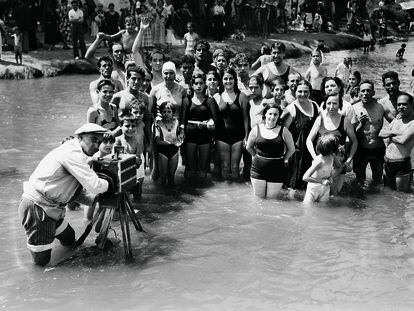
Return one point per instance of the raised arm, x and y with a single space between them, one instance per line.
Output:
114 37
136 47
90 53
256 64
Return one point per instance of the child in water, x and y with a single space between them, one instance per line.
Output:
319 175
168 137
400 53
132 139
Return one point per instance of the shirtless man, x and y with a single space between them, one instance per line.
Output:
391 84
105 65
277 68
290 93
368 121
400 136
202 56
118 54
242 66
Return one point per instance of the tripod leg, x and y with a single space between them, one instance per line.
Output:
128 233
89 227
122 222
103 233
132 215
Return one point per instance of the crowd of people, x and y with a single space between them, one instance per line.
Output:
285 131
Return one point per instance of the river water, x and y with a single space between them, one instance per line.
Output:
211 246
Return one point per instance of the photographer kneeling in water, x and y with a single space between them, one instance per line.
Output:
58 179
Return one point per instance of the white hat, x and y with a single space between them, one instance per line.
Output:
169 66
91 128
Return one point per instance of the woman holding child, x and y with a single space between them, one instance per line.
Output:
330 121
199 118
271 145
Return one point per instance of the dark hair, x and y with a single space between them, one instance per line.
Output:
357 75
202 42
232 72
265 48
270 106
307 83
369 82
354 91
279 46
126 115
137 70
410 97
391 75
195 76
165 104
280 81
258 79
337 81
108 139
340 103
241 57
217 76
106 59
188 59
104 82
156 52
111 4
130 19
327 144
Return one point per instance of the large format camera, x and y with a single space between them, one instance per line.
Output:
121 167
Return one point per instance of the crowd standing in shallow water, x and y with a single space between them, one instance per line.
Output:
281 129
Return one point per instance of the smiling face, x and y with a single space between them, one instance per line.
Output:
130 26
135 81
293 81
212 82
129 127
228 81
352 81
277 56
271 117
106 147
302 92
404 107
105 94
168 75
392 86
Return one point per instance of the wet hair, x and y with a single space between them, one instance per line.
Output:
368 82
410 97
278 46
258 79
156 52
202 42
307 83
189 59
106 59
337 81
327 144
108 139
137 70
130 19
104 82
340 102
232 72
354 91
390 75
270 106
166 104
278 81
240 58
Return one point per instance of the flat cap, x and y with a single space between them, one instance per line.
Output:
91 128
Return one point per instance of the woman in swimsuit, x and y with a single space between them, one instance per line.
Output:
199 119
334 86
271 145
330 121
233 125
303 113
104 113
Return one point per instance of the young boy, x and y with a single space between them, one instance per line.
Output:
400 53
105 147
190 39
132 139
319 175
18 44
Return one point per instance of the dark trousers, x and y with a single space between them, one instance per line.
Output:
77 40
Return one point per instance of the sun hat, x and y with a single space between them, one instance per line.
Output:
91 128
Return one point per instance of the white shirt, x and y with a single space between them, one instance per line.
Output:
74 15
58 176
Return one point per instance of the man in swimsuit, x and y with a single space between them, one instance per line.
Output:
400 136
105 65
391 84
368 121
202 56
277 68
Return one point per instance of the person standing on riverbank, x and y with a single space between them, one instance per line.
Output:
57 180
18 45
400 134
76 20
